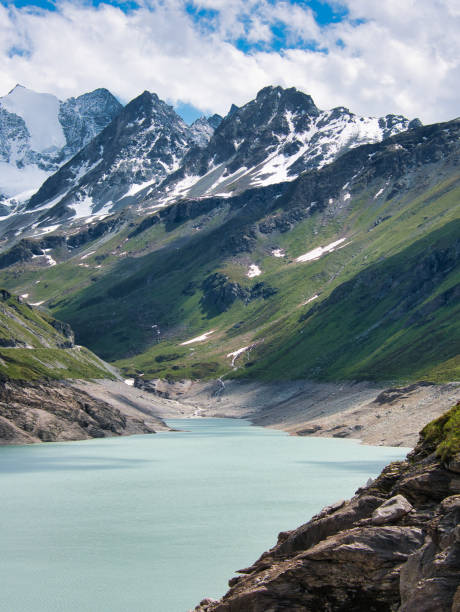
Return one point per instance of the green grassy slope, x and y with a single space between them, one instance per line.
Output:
387 299
33 345
398 319
443 434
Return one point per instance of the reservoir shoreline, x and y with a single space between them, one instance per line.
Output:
377 415
46 411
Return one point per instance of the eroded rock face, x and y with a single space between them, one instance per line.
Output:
52 411
395 546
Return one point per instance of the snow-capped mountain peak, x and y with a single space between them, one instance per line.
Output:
38 133
144 144
148 156
274 138
40 113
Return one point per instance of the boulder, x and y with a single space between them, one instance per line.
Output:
392 510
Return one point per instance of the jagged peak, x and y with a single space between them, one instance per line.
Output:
233 109
150 102
215 120
17 86
286 98
269 90
99 91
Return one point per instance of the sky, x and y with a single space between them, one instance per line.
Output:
373 56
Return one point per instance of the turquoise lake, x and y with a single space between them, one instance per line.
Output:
156 523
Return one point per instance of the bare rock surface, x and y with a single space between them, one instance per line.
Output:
50 411
366 411
394 547
391 510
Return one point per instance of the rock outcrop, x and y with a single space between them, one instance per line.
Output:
395 546
219 293
48 411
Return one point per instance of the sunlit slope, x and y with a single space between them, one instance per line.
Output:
34 345
397 319
348 272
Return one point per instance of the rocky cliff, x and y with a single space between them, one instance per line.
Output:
50 411
395 546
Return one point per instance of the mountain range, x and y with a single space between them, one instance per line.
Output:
148 156
292 242
39 132
284 261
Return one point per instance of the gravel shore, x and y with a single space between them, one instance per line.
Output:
374 414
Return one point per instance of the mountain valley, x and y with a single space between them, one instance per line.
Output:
267 275
284 264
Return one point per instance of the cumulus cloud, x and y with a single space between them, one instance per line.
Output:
381 57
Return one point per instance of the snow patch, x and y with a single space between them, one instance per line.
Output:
237 353
87 255
379 192
50 261
201 338
129 381
313 297
46 230
36 303
254 271
21 183
278 253
319 251
40 112
83 208
135 188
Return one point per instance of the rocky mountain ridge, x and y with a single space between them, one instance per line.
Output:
274 138
148 157
247 285
34 345
38 133
145 143
42 383
387 209
394 546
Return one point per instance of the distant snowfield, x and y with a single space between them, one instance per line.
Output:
201 338
40 112
278 253
87 255
46 230
84 209
136 187
320 251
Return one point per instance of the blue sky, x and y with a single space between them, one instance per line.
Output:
325 12
201 56
207 18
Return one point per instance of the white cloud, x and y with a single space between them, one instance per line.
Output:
389 56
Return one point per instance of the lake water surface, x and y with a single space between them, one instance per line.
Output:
156 523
